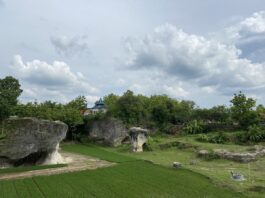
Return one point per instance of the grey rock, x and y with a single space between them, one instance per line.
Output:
193 162
234 156
202 153
111 131
237 176
29 139
138 138
177 165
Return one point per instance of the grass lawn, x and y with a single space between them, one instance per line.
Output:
217 170
129 178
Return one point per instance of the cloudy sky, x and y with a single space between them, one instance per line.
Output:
199 50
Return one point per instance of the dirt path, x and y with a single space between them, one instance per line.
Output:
75 163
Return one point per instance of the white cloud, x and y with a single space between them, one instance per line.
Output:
70 46
248 35
91 99
157 83
194 59
46 80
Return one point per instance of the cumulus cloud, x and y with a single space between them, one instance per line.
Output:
70 46
157 83
199 60
91 99
248 35
55 80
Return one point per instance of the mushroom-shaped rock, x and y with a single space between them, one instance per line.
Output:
111 131
138 137
29 140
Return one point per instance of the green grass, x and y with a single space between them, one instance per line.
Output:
217 170
130 177
29 168
127 179
96 151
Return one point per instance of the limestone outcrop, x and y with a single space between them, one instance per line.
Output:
234 156
109 131
138 138
29 140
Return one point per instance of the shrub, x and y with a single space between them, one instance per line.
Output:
194 127
220 138
256 134
203 138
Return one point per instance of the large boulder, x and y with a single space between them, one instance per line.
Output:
138 138
110 131
29 140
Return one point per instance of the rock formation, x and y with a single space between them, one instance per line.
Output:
138 138
30 140
110 131
237 157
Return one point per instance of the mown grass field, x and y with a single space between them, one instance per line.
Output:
129 178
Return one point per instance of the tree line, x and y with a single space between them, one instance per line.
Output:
158 112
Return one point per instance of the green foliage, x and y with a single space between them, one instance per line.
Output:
243 110
254 134
219 138
194 127
9 93
130 108
157 111
219 114
203 138
79 103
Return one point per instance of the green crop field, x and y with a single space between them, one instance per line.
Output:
129 178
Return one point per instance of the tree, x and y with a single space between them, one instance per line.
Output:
243 110
130 108
79 103
9 93
111 104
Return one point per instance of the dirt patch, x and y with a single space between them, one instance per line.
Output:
75 163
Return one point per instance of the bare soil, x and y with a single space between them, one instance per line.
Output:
75 162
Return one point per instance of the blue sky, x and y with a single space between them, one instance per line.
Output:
199 50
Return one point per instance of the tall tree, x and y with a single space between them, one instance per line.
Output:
243 110
9 93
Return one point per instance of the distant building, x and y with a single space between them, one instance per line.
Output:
98 107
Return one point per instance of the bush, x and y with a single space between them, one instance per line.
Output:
203 138
254 134
220 138
148 146
194 127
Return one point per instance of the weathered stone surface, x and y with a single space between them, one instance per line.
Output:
234 156
30 139
138 138
177 165
202 153
110 131
239 157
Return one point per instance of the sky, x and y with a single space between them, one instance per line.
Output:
203 51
